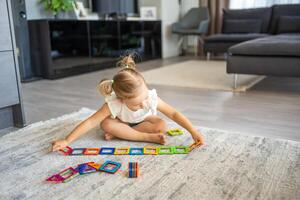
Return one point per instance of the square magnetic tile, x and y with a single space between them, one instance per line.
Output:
122 151
166 150
110 167
136 151
91 151
150 150
181 150
77 152
107 151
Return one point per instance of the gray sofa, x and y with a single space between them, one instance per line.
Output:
238 26
277 54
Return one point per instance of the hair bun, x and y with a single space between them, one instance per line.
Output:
127 62
105 87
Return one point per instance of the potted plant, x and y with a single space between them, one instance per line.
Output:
58 7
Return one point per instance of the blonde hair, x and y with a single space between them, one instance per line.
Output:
126 83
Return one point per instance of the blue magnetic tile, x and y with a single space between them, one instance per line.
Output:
113 170
107 151
85 169
136 151
130 169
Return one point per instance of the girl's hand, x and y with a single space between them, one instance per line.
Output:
59 144
198 138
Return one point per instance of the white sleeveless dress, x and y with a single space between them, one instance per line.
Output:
121 111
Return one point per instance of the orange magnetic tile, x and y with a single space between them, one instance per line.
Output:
91 151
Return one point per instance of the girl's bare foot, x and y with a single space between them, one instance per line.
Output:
157 138
108 136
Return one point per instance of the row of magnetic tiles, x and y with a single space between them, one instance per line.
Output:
150 150
91 167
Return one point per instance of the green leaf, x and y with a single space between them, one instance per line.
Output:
57 6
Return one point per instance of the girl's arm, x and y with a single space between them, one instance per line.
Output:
180 119
83 127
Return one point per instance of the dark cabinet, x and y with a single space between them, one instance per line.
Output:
65 47
69 44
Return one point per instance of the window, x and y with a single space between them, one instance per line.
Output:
238 4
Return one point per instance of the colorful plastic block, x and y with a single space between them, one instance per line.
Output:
181 150
91 151
110 167
166 150
107 151
66 151
95 165
85 168
68 174
133 170
77 152
175 131
150 150
122 151
136 151
55 178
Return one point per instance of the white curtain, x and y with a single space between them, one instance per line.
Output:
238 4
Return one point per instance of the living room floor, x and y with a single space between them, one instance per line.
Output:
271 108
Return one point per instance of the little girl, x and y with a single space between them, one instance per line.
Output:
130 111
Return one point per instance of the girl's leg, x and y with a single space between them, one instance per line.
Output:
121 130
152 124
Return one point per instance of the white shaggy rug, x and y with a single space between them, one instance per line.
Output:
200 74
229 166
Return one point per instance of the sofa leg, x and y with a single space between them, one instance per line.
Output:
235 81
180 45
225 56
208 56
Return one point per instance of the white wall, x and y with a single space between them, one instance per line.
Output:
168 12
169 15
155 3
35 10
186 6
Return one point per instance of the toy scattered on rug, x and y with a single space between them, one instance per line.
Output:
133 170
175 131
111 166
148 150
84 168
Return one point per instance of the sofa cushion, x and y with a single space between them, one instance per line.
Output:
279 45
282 10
242 26
263 14
288 24
234 37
